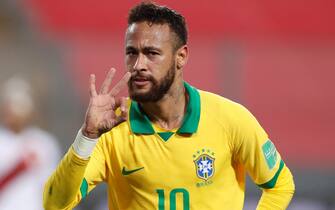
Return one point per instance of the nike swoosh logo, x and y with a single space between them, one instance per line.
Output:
126 172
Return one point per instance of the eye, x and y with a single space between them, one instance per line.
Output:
153 53
131 52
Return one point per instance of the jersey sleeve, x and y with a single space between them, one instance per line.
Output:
96 168
280 196
255 151
74 178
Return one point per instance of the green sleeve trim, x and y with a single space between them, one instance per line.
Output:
84 188
270 184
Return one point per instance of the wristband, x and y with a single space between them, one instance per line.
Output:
83 146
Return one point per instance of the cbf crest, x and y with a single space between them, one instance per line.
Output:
204 164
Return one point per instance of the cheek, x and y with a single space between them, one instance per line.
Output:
163 63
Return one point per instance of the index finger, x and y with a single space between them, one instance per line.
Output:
120 85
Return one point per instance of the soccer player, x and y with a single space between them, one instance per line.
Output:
28 154
170 146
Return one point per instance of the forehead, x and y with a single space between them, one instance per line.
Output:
145 34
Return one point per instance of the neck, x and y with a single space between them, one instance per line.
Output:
16 128
168 112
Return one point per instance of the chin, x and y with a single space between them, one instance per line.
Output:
138 93
140 90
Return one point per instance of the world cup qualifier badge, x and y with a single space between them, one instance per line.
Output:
204 164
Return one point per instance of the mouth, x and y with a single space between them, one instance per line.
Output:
140 81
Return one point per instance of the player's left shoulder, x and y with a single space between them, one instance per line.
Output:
220 104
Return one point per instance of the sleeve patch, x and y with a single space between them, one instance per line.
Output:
270 153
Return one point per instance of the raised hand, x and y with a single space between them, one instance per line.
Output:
100 116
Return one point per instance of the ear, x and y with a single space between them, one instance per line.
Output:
182 56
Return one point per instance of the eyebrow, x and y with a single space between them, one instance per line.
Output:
131 48
150 48
145 49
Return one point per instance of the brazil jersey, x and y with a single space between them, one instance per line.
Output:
202 165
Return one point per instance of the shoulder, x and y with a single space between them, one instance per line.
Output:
40 134
214 99
37 136
5 134
117 134
221 106
232 116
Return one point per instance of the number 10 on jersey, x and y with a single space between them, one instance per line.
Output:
173 202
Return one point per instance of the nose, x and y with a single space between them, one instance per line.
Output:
140 64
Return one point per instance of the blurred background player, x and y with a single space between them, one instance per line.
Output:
27 153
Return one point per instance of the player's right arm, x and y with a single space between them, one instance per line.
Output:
83 165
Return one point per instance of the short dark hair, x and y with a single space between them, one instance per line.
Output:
156 14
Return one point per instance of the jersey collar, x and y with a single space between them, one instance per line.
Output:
140 123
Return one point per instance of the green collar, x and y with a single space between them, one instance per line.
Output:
140 123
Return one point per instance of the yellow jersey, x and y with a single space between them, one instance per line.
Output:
200 166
